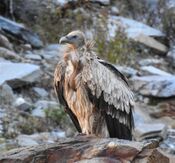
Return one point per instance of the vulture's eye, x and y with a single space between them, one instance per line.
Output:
74 37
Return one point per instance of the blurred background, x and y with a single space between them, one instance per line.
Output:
137 36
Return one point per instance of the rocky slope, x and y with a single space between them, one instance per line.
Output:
138 39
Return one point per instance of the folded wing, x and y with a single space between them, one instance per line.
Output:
109 92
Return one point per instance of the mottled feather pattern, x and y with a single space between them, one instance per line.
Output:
100 79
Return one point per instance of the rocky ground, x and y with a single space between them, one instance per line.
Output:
138 39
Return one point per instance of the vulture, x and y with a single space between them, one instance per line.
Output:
93 92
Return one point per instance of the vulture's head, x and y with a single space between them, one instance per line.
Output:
75 38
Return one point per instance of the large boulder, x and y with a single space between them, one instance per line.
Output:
18 74
19 32
132 27
88 149
137 31
155 85
155 71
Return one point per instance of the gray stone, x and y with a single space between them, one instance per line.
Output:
20 32
151 42
171 56
170 4
50 55
127 71
4 42
132 28
155 71
137 31
2 115
150 61
61 2
8 54
146 130
114 10
40 91
6 94
33 57
102 2
22 104
156 86
26 47
18 74
25 140
40 138
168 143
52 47
41 106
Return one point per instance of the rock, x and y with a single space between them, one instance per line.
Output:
2 115
164 109
6 94
22 104
114 10
50 55
41 106
52 47
40 92
99 160
171 56
151 42
82 149
151 61
18 74
33 57
101 2
24 140
155 71
40 138
155 85
137 31
127 71
26 47
168 144
147 131
62 3
132 28
4 42
152 3
8 54
20 32
170 4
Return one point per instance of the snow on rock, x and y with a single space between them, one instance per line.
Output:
18 73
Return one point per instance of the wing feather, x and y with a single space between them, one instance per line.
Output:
105 84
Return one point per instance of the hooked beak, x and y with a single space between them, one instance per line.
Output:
64 40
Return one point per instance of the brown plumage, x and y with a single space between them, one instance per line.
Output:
94 93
